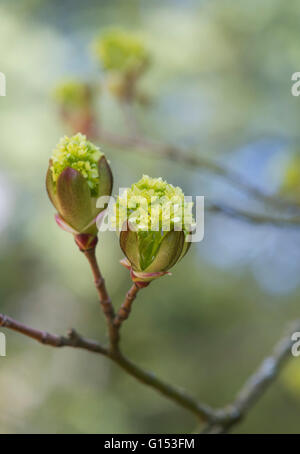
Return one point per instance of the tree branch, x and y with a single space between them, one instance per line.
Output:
219 420
114 323
75 340
254 218
145 145
256 385
178 395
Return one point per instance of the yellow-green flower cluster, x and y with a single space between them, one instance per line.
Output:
121 51
152 204
79 154
71 94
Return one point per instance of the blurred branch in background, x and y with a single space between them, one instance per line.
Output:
142 144
258 383
136 141
255 218
287 209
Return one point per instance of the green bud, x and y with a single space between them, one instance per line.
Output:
72 94
77 175
75 102
154 234
121 51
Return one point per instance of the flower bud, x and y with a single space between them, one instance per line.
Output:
124 56
75 101
78 174
154 234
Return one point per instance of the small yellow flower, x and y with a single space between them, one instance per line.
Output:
153 204
79 154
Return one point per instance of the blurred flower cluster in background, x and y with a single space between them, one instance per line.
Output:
210 76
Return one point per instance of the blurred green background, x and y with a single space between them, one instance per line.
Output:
219 84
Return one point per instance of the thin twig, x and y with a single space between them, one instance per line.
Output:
73 339
255 218
121 316
256 385
104 297
125 309
113 321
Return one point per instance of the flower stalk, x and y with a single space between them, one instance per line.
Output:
125 308
99 281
